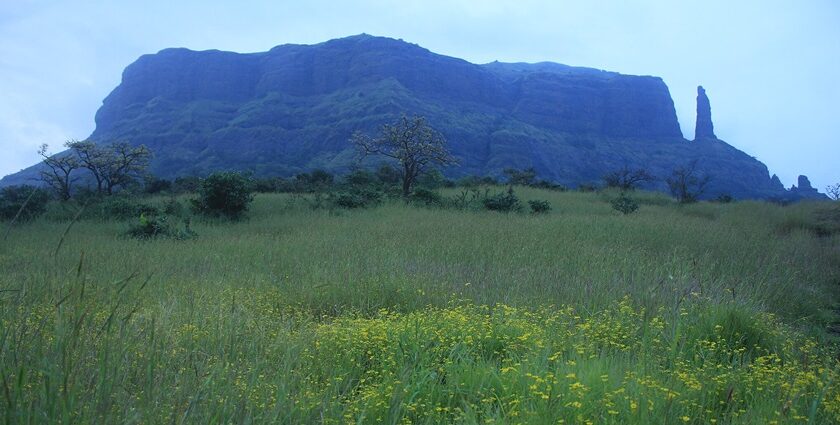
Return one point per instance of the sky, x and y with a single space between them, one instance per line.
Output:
771 68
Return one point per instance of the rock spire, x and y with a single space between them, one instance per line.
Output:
704 128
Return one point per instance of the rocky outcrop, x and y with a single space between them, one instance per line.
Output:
774 180
804 190
292 109
704 129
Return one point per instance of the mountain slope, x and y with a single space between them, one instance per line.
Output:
293 108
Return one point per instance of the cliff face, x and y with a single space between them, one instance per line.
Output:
293 108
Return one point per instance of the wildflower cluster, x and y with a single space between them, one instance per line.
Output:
259 359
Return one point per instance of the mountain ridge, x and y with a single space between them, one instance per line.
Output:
292 109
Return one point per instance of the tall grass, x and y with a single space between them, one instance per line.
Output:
412 315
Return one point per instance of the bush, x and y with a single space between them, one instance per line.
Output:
316 181
357 198
624 204
224 194
724 199
545 184
120 208
472 181
173 207
189 184
12 198
587 187
151 227
539 206
426 197
156 185
503 202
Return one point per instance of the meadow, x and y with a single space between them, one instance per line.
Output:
699 314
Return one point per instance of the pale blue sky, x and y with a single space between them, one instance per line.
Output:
771 68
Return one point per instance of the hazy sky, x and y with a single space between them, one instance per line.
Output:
770 68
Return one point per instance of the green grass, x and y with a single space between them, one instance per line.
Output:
401 314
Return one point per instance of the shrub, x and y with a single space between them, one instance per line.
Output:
268 185
349 200
153 226
12 198
724 199
470 198
361 178
687 183
121 208
426 197
156 185
624 204
316 181
539 206
503 202
224 194
587 187
545 184
472 181
173 207
627 178
357 198
189 184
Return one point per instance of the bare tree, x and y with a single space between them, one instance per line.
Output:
59 169
112 165
627 178
412 143
91 157
687 184
833 191
124 165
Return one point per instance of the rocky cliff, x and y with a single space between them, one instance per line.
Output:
293 108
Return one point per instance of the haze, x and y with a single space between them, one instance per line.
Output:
769 67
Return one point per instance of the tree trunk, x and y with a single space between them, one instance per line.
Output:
406 186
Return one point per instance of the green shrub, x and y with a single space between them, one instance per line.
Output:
154 185
725 198
120 208
173 207
539 206
152 227
503 202
545 184
587 187
224 194
624 204
349 200
426 197
188 184
12 198
357 198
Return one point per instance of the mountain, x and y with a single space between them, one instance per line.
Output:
293 109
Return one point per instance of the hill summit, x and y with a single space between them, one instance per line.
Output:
293 109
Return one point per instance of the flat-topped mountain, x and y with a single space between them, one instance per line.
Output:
293 109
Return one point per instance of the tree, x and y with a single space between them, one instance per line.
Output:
91 157
627 178
112 165
525 177
58 175
687 184
124 164
833 191
412 143
225 194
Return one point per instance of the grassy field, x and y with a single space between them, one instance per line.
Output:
705 313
